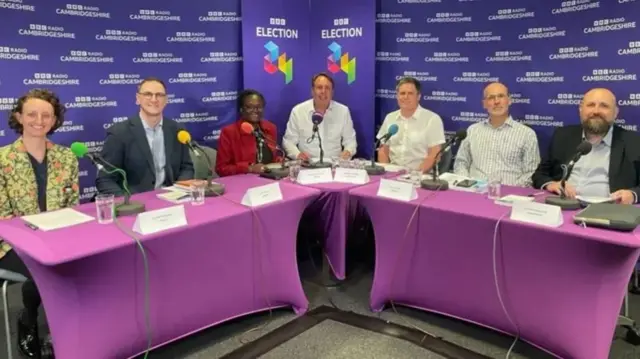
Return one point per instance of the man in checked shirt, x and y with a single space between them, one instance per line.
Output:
498 148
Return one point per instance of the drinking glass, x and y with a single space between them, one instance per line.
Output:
105 208
197 192
415 177
344 163
493 187
294 169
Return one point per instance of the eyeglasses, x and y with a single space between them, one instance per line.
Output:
150 95
496 97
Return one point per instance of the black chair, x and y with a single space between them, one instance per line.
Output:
7 278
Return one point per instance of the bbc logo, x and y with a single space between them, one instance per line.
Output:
340 22
277 21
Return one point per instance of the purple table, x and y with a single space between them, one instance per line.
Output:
91 276
563 287
334 211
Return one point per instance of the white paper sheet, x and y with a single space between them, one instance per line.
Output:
61 218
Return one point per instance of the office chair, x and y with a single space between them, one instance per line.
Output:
7 278
633 332
446 160
200 166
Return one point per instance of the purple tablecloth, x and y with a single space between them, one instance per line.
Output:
91 276
563 287
334 212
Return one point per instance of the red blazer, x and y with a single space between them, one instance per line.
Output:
237 150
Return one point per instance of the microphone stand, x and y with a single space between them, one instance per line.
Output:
273 173
373 169
321 163
212 189
435 183
127 207
562 201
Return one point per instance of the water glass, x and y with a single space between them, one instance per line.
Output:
294 169
493 187
105 208
197 192
416 177
344 163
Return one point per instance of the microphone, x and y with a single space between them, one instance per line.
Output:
271 173
127 207
374 169
562 201
212 189
317 118
436 184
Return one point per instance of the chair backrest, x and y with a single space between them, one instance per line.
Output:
10 276
200 166
446 158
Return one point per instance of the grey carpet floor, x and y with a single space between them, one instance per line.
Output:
352 296
346 342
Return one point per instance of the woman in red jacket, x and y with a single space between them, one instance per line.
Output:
238 148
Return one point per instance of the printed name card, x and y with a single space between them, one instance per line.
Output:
261 195
316 175
351 175
536 213
160 220
402 191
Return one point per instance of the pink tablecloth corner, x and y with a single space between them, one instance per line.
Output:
227 262
554 282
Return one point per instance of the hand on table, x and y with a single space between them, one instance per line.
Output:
6 217
303 156
345 155
554 187
256 168
623 196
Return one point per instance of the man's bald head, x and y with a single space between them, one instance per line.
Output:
495 99
598 111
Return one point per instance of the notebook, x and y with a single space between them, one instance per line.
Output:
619 217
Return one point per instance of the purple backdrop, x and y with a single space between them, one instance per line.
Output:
297 28
343 45
283 26
94 53
547 52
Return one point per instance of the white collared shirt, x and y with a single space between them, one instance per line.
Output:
336 130
410 145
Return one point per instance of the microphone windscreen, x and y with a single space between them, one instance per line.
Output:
316 118
246 128
393 129
584 148
79 149
184 137
461 134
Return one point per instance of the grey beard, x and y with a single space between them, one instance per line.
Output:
596 126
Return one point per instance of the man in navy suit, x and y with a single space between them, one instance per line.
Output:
145 146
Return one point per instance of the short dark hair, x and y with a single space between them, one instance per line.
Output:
41 94
322 74
248 93
409 80
152 79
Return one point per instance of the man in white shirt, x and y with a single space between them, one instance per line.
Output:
336 129
420 131
498 148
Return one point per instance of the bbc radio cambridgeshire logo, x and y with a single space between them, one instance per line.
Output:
338 61
274 61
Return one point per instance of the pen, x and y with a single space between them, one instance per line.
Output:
32 226
537 194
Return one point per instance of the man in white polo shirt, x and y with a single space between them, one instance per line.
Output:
336 128
420 131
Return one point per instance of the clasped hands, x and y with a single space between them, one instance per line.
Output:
623 196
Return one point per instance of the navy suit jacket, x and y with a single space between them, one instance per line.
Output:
126 147
624 162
